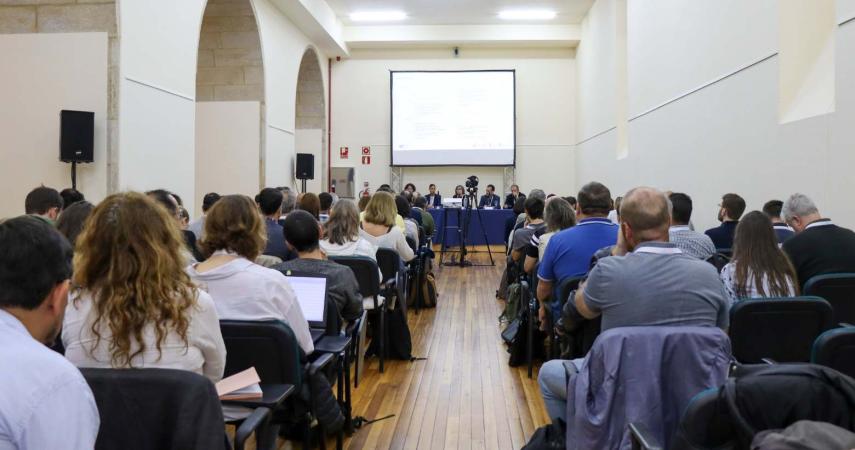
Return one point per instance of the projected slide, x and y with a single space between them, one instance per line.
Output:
453 118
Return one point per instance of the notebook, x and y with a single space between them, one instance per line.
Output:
240 386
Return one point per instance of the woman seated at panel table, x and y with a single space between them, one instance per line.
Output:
378 226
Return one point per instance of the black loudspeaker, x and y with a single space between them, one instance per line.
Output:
76 136
305 166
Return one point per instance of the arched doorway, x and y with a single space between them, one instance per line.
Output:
311 125
230 109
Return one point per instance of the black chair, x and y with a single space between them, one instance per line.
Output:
394 280
726 252
838 289
162 409
781 329
367 275
836 349
578 343
718 261
271 347
705 424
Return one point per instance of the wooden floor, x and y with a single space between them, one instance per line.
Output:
464 396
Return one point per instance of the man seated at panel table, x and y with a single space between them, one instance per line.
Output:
511 199
433 199
646 282
490 199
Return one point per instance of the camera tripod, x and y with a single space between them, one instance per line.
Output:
464 218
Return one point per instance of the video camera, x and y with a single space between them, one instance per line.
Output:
472 185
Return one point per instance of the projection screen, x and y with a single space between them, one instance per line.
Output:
453 118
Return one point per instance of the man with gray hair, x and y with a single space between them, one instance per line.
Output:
819 246
647 281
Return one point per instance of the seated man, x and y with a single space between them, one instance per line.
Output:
44 203
512 198
570 251
433 199
45 402
730 210
647 281
419 205
490 199
691 242
819 246
303 234
772 209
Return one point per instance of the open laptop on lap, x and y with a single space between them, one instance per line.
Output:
311 290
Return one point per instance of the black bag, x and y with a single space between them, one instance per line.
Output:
399 342
550 437
519 341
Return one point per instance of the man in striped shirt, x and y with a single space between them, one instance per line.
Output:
691 242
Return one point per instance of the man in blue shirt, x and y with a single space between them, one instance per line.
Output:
490 199
433 199
45 402
730 210
772 209
570 251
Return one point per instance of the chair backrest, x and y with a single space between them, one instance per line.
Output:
718 261
366 271
156 409
705 423
782 329
389 261
726 252
565 287
270 346
836 349
412 243
838 289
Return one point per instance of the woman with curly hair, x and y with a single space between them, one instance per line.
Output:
133 305
243 290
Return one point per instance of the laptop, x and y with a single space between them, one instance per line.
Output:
311 293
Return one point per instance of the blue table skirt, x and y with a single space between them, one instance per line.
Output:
494 225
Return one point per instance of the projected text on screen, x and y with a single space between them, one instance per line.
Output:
453 118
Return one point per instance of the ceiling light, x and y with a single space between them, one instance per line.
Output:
377 16
527 14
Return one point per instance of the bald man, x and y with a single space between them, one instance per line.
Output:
647 281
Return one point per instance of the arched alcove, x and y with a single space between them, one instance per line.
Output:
311 118
230 107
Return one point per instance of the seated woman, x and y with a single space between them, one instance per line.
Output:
311 203
378 226
134 306
558 215
341 233
759 269
411 228
243 290
459 192
72 218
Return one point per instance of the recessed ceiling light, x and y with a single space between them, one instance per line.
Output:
378 16
527 14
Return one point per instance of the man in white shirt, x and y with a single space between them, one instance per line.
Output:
45 402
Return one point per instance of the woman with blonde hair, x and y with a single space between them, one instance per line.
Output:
378 225
243 290
133 304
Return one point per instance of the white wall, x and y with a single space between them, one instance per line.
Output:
282 48
227 148
159 43
311 141
725 136
545 91
41 75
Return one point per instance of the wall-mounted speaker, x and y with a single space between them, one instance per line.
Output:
305 166
76 136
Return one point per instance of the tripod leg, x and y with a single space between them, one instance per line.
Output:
486 240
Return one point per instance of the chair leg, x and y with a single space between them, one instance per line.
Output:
382 312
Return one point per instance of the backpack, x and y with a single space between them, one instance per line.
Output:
398 341
512 304
549 437
427 290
